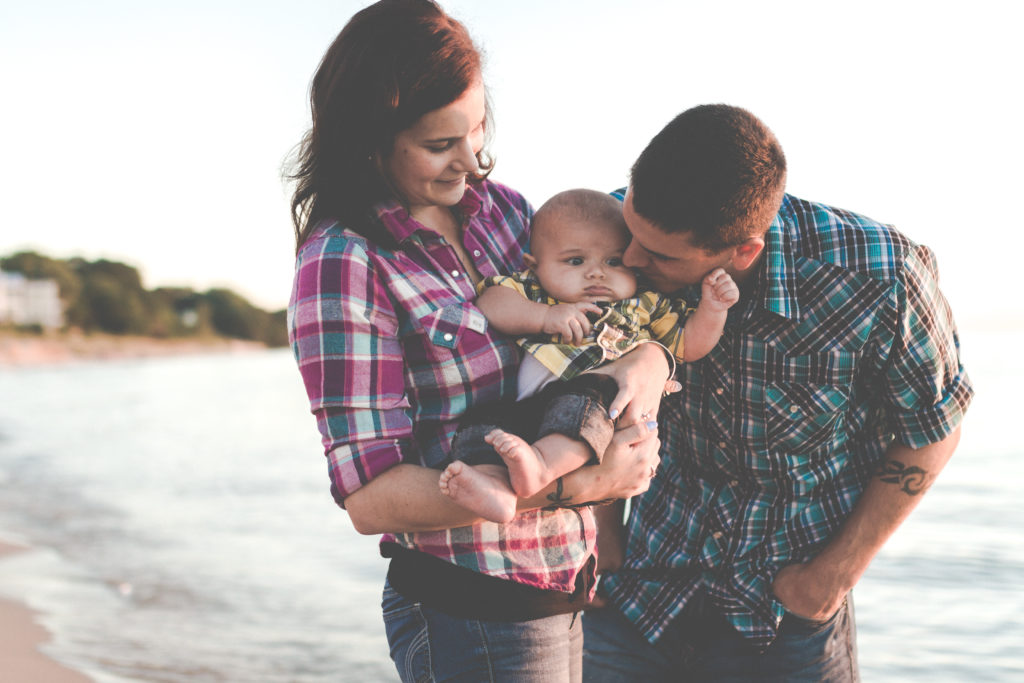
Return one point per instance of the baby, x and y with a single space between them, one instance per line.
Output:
576 308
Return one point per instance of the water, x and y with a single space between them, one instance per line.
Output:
185 528
183 531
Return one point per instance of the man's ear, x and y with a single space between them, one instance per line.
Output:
745 255
530 261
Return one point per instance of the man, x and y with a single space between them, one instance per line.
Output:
798 445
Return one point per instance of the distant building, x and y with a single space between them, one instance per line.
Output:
30 302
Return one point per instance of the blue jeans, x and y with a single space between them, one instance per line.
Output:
615 652
428 645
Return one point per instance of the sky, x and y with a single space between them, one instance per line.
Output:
156 133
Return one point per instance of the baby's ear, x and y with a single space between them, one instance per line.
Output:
530 261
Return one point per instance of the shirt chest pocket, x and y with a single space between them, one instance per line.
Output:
451 359
806 399
444 328
443 335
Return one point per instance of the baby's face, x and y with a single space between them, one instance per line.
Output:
576 260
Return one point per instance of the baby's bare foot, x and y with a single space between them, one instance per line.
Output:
527 469
475 488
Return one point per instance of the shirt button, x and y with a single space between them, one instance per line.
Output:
717 535
734 482
456 273
448 336
722 444
794 409
476 252
719 391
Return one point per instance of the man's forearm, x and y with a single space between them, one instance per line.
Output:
817 588
894 491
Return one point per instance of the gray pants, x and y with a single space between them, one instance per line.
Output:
576 408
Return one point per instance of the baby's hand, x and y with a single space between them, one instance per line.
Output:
718 291
569 321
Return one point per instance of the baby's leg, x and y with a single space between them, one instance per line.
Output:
531 468
483 489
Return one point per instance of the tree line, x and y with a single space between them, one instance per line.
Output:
108 296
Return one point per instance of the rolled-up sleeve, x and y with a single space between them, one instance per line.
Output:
928 389
344 334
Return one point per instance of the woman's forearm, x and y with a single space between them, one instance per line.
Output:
625 471
406 498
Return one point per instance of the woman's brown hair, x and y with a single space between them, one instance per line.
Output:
394 61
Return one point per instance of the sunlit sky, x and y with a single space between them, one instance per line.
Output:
154 132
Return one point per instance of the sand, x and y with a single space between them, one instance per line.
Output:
21 661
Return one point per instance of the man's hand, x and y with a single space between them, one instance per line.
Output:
815 589
569 321
719 291
808 592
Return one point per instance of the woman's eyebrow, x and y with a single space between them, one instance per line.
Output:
451 138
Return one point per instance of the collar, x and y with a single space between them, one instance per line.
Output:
777 279
396 219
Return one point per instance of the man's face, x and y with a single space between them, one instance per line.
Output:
668 260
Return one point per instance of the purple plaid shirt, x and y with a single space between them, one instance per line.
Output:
393 351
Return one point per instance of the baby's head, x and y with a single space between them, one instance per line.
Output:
577 241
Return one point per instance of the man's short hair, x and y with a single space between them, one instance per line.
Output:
716 172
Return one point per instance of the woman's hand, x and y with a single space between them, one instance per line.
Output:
641 376
629 463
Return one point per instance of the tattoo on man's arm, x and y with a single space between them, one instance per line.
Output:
912 480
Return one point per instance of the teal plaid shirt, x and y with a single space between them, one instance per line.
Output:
842 345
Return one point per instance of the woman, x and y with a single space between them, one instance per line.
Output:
396 222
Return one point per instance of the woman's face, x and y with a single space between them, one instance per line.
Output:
430 160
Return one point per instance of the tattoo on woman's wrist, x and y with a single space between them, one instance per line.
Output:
559 499
912 480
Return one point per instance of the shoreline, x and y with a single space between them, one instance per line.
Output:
21 636
23 350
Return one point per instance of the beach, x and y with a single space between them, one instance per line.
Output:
18 350
20 637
